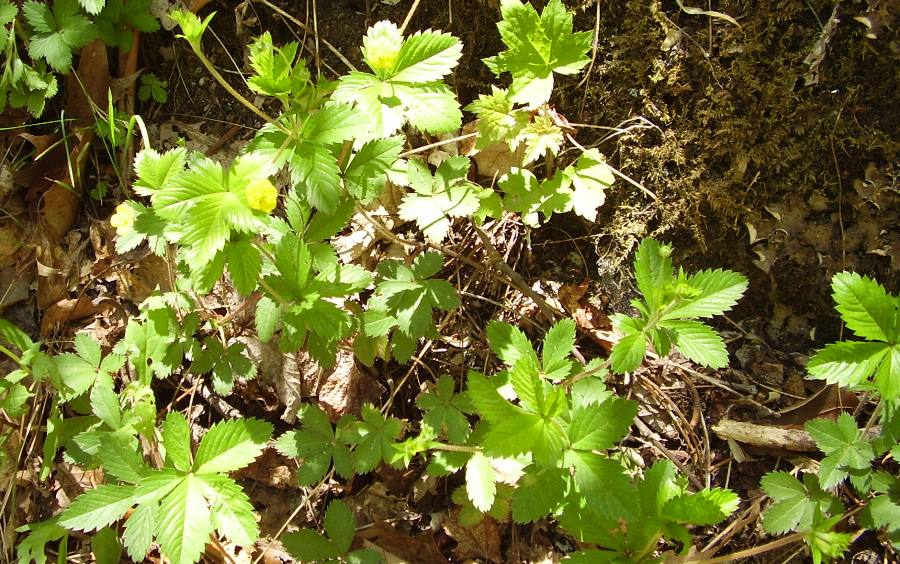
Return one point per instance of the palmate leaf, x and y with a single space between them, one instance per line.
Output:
208 202
58 33
374 437
525 194
438 199
589 179
796 502
406 85
445 410
537 46
541 137
74 373
844 446
316 444
498 121
278 71
230 445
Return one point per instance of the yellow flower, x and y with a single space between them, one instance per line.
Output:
262 195
124 217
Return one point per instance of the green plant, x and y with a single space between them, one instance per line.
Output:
54 34
874 315
152 88
851 453
308 545
669 308
182 503
241 223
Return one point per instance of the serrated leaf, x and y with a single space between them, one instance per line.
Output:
558 344
156 171
176 435
105 405
365 174
538 493
120 460
184 532
481 484
309 546
719 291
698 342
600 426
628 353
340 524
140 529
267 315
232 513
847 363
598 477
537 47
231 445
706 507
866 307
796 502
98 508
652 270
244 265
426 56
541 137
509 342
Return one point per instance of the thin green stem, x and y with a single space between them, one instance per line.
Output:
234 93
11 355
454 448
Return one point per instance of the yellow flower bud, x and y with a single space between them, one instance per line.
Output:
123 218
262 195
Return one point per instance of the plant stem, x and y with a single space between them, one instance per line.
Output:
753 551
234 93
453 448
11 355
